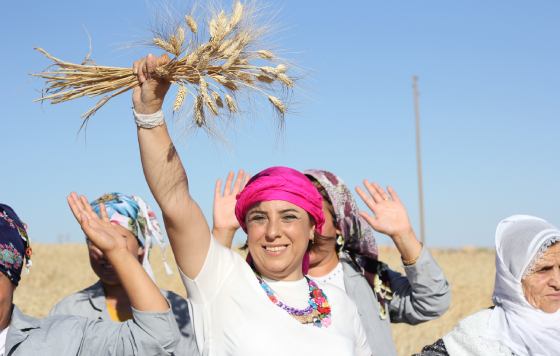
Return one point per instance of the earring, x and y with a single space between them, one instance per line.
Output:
339 240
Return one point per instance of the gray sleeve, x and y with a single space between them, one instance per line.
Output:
75 304
181 310
147 334
424 294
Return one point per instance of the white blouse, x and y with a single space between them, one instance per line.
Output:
334 277
232 314
3 335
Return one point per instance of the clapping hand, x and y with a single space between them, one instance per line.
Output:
99 230
225 222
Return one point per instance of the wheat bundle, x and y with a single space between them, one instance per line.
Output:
213 72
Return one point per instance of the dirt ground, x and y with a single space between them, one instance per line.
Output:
59 270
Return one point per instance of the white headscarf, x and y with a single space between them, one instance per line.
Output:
525 329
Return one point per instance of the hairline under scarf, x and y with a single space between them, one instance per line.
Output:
280 183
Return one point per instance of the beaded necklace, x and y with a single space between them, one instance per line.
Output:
317 313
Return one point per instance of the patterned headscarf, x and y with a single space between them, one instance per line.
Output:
280 183
14 244
358 240
357 234
132 213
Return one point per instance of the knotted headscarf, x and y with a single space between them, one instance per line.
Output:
132 213
357 234
280 183
526 330
14 244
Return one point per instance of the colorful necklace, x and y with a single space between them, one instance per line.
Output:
318 312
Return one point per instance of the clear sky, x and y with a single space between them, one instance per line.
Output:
490 104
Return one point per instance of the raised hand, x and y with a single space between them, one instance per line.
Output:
225 222
390 218
98 230
144 295
148 97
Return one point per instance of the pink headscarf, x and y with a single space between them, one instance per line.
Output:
280 183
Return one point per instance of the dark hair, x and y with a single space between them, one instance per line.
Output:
324 195
326 198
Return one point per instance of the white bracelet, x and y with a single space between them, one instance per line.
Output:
148 121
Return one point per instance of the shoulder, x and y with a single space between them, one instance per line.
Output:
469 337
62 324
44 335
71 303
475 323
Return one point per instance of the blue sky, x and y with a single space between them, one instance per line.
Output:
489 74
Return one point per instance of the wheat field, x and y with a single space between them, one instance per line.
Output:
61 269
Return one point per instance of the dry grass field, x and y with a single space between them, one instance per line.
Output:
61 269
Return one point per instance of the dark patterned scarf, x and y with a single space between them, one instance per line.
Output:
14 244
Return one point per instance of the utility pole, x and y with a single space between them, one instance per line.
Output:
418 156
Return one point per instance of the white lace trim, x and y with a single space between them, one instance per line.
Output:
545 246
330 276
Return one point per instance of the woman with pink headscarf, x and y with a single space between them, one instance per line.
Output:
265 305
345 254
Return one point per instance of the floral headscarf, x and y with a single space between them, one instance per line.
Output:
132 213
357 234
14 244
358 240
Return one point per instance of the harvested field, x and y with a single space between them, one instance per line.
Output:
61 269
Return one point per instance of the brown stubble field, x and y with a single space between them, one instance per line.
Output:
60 269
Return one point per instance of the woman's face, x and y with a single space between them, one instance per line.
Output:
7 289
101 266
542 287
324 245
278 234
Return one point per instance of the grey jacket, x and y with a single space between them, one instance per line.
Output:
147 334
422 295
91 303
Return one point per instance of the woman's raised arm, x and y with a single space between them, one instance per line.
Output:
144 295
185 223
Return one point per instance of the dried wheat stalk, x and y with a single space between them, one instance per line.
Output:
225 65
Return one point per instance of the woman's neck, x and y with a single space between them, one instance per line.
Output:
324 266
116 297
5 315
293 276
115 293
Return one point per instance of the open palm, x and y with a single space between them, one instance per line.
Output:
389 214
224 203
98 230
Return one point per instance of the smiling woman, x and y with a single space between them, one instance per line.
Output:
278 238
266 306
